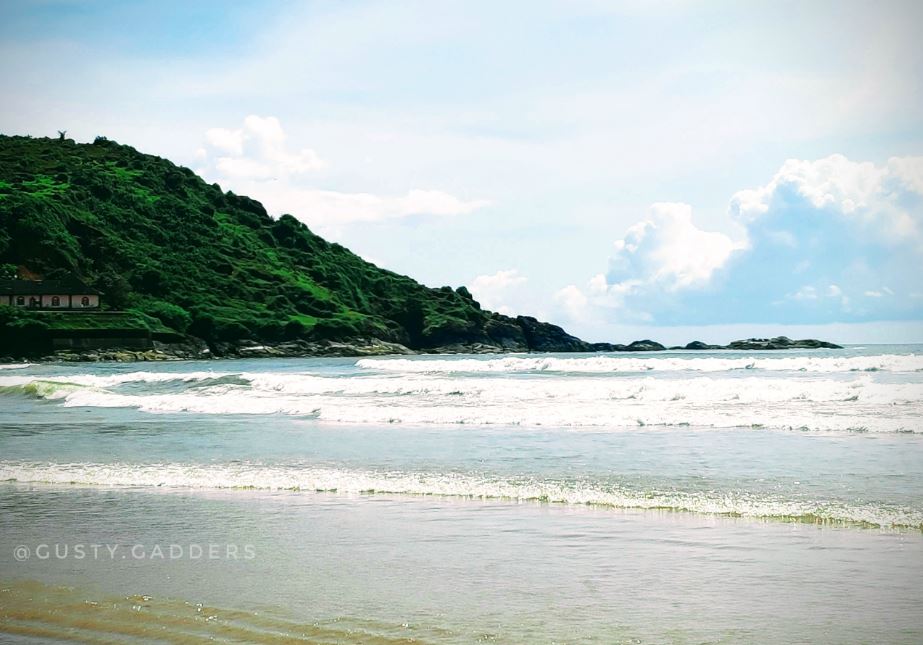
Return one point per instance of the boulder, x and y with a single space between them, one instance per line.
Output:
697 344
645 346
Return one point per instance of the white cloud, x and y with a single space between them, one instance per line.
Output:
908 171
662 254
495 291
229 141
255 160
572 300
805 293
259 151
833 181
668 250
816 234
861 191
809 293
598 303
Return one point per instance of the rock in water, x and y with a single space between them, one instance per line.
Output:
645 346
697 344
781 342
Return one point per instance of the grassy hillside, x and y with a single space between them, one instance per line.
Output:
158 240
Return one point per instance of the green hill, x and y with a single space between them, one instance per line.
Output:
163 244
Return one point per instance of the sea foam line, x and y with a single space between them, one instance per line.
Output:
609 364
734 503
704 389
121 378
816 405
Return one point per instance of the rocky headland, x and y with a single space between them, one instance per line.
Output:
196 349
188 270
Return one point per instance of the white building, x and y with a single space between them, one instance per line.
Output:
69 293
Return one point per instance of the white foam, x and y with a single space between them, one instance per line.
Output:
311 479
806 415
698 389
610 364
704 389
115 379
853 402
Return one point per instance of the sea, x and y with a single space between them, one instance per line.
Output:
668 497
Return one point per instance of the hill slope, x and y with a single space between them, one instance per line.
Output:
159 241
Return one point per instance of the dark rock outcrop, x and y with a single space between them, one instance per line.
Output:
507 333
522 334
644 346
781 342
697 344
545 337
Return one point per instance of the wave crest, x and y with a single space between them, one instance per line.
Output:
612 364
856 403
735 503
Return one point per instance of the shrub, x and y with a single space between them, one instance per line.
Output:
173 316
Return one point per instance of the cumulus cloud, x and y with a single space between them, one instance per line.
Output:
258 150
820 240
660 256
256 160
572 300
497 290
226 141
668 250
879 198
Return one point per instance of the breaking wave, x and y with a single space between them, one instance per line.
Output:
610 364
736 503
857 403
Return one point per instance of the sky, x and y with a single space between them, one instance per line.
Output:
642 169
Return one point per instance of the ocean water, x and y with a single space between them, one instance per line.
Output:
676 497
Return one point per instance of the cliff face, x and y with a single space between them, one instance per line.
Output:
187 256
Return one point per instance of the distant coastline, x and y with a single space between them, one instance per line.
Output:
196 349
151 262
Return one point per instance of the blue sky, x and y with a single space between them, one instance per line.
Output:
665 169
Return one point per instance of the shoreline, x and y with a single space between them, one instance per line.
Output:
680 555
245 491
197 349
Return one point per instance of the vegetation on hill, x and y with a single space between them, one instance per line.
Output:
159 241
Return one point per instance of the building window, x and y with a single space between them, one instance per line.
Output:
55 301
20 300
85 302
34 302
